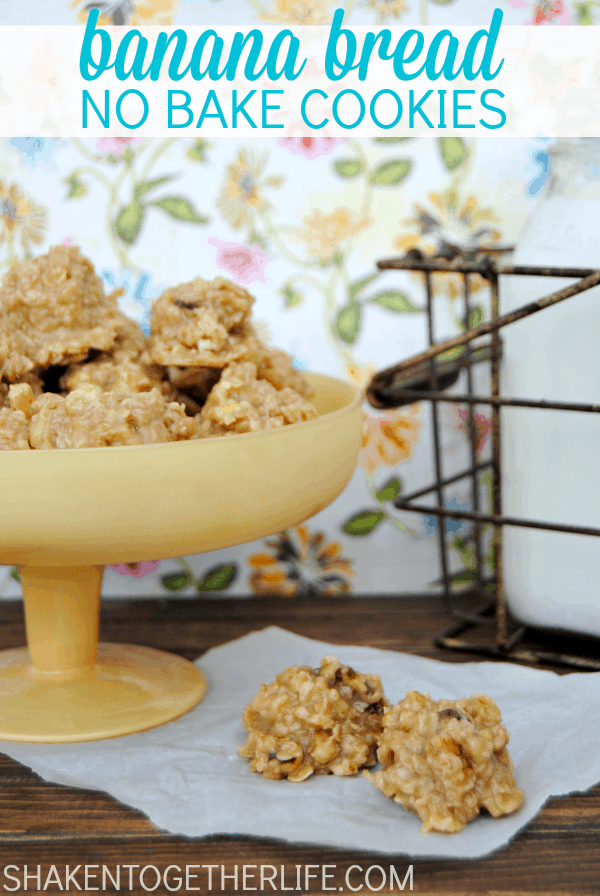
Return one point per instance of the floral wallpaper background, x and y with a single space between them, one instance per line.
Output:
299 12
301 223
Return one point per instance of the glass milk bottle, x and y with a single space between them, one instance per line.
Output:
551 459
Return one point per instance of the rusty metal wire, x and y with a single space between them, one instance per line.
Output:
423 378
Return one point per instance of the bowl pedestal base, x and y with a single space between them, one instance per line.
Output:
66 687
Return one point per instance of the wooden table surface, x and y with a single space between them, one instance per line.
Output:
46 824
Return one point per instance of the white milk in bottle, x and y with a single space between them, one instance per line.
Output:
551 459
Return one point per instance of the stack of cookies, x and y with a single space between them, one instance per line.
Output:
77 373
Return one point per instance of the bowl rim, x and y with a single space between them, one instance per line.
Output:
159 446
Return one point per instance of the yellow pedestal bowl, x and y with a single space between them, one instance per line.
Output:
66 513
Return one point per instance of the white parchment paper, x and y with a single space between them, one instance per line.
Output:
188 778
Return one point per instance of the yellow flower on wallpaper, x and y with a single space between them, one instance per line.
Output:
323 234
389 9
361 374
448 222
22 221
241 198
130 12
388 438
300 564
300 12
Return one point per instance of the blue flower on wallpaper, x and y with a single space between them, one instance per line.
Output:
538 168
452 526
295 350
34 149
137 298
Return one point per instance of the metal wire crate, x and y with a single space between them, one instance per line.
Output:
424 377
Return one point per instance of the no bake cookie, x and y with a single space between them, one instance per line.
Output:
200 324
53 311
241 402
90 418
314 722
446 760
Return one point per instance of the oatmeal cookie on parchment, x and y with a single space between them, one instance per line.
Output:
446 760
314 722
